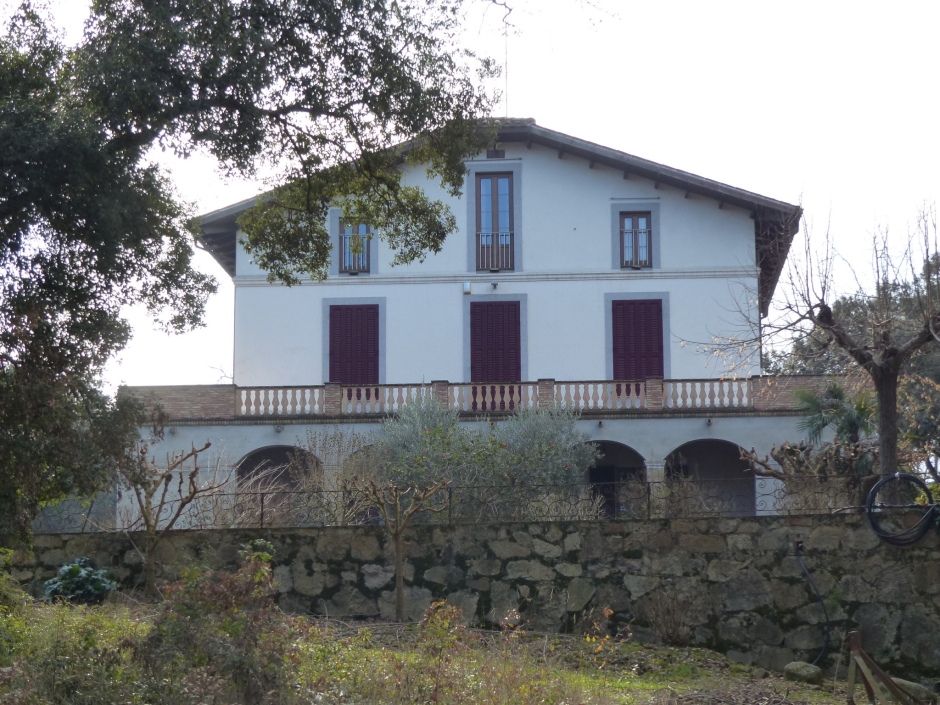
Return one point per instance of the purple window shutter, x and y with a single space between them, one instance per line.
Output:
637 339
495 342
354 344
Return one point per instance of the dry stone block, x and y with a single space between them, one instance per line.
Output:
333 545
480 584
349 602
661 541
309 585
523 537
486 566
509 549
914 689
283 579
740 542
417 601
746 591
919 629
54 557
553 533
504 602
721 571
682 527
448 575
775 539
702 543
572 542
927 577
803 672
894 585
639 585
466 601
47 541
788 596
860 539
545 549
855 589
763 631
377 576
804 638
569 570
529 570
365 548
580 592
824 538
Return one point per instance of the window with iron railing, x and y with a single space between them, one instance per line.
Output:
354 240
636 240
494 236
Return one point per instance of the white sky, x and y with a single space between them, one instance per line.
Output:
832 104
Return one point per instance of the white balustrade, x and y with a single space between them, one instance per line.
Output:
280 401
380 399
601 395
587 396
707 394
493 398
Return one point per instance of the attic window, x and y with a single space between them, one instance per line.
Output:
496 154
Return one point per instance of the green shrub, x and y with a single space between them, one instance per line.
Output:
222 633
78 582
13 600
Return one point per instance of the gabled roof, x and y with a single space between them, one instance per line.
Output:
775 222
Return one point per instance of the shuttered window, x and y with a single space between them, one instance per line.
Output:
354 344
495 342
638 339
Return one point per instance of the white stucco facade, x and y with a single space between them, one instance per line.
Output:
565 274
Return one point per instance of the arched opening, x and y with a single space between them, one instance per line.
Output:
614 477
281 467
708 476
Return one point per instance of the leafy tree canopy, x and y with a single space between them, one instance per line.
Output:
322 91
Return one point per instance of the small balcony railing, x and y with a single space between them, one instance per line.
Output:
494 251
636 248
354 253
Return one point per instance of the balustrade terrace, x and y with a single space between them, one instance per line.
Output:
636 397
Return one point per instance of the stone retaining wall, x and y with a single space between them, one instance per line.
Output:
736 581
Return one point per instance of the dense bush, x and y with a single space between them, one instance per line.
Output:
79 582
426 443
220 639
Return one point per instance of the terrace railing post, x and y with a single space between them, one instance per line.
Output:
654 393
261 518
546 392
440 391
332 399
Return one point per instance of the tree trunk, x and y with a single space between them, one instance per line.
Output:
886 386
399 577
150 571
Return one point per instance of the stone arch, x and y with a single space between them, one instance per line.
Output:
617 468
618 462
280 465
724 482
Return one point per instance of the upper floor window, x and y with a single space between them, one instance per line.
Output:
353 248
636 240
494 236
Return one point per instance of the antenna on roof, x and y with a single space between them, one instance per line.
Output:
506 63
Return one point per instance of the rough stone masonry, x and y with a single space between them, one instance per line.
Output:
735 581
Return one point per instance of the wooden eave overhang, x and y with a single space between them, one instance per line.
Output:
775 222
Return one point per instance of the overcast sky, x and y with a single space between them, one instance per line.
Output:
831 104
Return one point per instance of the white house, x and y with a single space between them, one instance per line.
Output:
579 275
